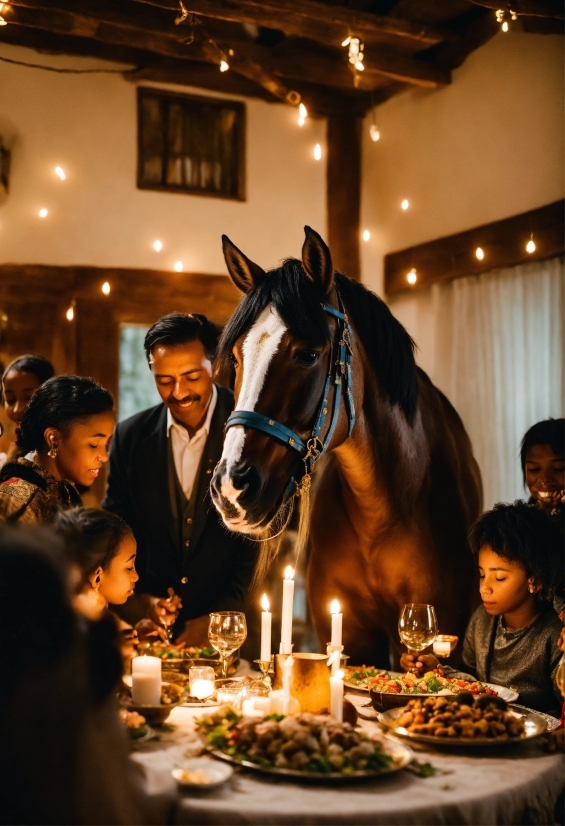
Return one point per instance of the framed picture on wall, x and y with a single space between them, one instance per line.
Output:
190 144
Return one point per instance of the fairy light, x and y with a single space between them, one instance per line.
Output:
531 245
480 253
60 173
43 213
2 21
302 114
178 266
157 246
317 152
224 66
504 17
71 311
405 204
366 235
374 133
106 288
412 277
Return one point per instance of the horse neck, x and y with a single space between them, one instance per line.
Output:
383 463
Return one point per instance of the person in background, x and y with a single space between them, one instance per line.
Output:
160 468
67 424
542 456
512 638
19 381
63 752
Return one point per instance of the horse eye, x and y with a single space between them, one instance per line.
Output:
307 356
233 360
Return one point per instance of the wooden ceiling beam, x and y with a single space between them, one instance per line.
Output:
315 21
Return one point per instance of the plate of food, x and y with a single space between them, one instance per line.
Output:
136 726
483 722
360 676
306 746
181 657
391 690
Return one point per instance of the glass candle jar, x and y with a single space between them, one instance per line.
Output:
202 681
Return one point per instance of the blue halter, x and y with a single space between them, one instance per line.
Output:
339 374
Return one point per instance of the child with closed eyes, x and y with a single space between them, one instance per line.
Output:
512 638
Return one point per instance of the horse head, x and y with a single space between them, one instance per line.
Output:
280 342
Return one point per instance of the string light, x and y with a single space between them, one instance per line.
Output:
356 55
504 17
317 152
43 213
366 235
374 133
531 246
71 311
2 21
302 114
106 288
224 66
480 253
3 6
60 173
178 266
405 204
412 277
157 246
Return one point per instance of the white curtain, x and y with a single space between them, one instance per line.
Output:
499 359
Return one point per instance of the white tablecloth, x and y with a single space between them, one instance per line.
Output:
519 785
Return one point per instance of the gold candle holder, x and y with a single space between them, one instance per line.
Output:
265 668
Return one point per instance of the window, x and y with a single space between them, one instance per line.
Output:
136 386
191 144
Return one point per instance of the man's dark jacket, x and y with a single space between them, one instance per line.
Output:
214 572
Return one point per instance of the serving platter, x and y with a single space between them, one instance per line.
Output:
535 725
402 755
552 722
508 694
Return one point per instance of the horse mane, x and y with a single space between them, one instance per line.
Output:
389 348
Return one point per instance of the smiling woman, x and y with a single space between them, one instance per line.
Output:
68 425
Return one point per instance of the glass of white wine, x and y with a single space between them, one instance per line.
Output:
417 626
227 632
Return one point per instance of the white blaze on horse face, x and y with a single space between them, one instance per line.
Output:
259 347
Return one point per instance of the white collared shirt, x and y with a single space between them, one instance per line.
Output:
187 452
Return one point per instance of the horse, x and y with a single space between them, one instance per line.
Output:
323 370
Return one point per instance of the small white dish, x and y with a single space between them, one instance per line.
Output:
216 773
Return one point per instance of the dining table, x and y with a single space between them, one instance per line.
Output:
506 785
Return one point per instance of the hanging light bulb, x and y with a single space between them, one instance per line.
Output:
346 42
224 66
355 55
505 26
178 267
157 246
412 277
3 22
374 132
317 152
480 253
531 246
405 204
60 173
302 114
504 17
366 235
43 213
71 311
106 288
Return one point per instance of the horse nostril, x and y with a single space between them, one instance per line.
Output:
246 478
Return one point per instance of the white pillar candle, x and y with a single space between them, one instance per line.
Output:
266 619
287 673
146 680
442 648
287 608
337 623
336 696
262 704
202 689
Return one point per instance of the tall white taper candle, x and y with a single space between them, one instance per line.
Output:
266 620
287 608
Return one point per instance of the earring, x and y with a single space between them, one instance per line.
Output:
53 452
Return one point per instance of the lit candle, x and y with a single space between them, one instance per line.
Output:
336 696
287 673
146 680
266 618
337 622
202 681
442 647
287 607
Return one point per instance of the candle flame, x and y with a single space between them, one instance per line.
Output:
288 572
265 602
339 674
335 607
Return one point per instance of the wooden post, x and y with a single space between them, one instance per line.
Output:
344 192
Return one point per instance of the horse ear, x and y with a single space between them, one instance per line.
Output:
317 261
243 272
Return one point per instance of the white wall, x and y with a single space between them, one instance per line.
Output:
486 147
87 125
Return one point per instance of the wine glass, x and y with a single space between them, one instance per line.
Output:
227 632
417 626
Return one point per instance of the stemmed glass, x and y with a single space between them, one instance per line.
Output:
227 632
417 626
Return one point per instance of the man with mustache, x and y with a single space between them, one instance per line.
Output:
161 464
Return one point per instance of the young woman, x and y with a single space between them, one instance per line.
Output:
542 456
512 638
20 380
67 424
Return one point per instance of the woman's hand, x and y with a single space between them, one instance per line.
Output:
165 610
407 663
149 631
